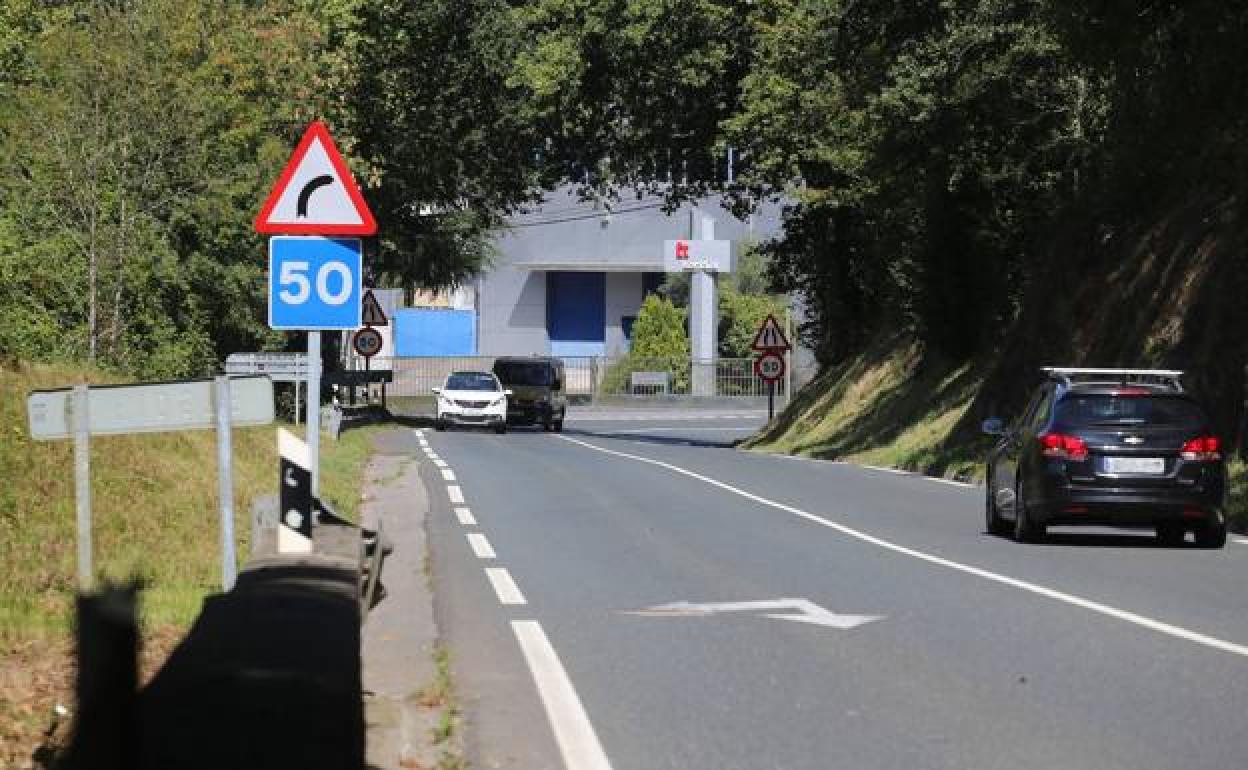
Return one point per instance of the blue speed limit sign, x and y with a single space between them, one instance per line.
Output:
315 283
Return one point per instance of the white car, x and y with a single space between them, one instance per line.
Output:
472 398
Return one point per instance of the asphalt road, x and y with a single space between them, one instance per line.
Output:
1096 650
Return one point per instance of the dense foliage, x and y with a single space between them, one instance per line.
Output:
940 159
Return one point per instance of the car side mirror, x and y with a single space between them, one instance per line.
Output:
993 426
508 393
436 391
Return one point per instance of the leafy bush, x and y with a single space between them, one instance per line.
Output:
660 344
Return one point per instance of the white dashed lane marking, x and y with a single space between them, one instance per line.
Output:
455 493
506 589
481 546
465 517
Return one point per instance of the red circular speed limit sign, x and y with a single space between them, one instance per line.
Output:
769 366
367 342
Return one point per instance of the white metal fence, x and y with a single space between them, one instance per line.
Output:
626 377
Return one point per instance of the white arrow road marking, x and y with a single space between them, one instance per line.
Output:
803 611
1142 621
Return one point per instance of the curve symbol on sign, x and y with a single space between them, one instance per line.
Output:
312 186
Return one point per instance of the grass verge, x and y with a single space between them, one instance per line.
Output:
890 406
155 516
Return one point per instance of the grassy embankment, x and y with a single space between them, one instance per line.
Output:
154 508
889 407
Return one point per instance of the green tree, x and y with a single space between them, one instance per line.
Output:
659 331
135 154
444 145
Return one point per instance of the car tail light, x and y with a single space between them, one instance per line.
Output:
1063 447
1202 449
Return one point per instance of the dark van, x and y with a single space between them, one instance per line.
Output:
539 390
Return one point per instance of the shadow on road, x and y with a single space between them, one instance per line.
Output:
647 438
1143 539
267 677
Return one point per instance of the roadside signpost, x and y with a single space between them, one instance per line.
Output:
769 366
83 411
373 315
367 343
771 344
315 282
279 367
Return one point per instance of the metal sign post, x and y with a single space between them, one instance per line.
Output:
314 410
82 484
225 483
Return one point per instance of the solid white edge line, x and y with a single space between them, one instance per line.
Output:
896 471
481 546
448 474
455 493
1050 593
1241 540
578 743
465 517
504 587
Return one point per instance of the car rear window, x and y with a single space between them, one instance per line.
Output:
1108 409
523 372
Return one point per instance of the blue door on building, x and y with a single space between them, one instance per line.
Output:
576 313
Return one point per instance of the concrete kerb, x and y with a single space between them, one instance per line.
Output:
400 637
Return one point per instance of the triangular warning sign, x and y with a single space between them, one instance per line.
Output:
373 315
315 195
770 336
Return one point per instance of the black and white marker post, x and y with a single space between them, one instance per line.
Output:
294 530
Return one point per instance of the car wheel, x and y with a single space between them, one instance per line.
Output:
439 424
1212 535
501 428
1025 530
559 425
546 426
1170 534
992 517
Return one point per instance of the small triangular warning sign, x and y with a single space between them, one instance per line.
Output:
316 195
770 336
373 315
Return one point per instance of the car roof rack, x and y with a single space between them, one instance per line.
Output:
1169 378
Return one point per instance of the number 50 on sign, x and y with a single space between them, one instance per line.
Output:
315 283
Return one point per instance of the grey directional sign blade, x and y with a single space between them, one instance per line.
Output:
150 407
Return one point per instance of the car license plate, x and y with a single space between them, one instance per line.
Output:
1152 465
